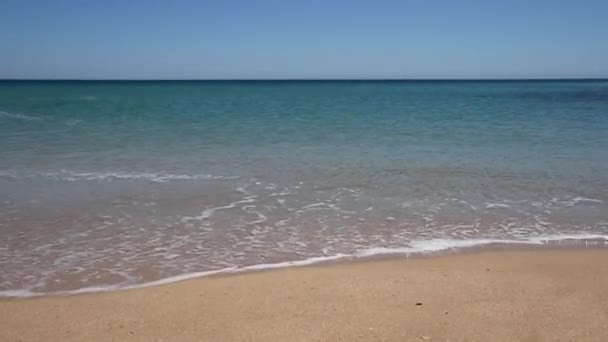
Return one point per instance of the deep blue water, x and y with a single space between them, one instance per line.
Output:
120 183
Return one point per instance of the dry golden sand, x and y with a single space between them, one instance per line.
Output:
494 296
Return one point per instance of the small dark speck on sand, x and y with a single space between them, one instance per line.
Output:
418 304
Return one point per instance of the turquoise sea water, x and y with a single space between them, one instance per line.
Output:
106 185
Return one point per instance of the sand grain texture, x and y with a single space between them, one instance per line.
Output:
494 296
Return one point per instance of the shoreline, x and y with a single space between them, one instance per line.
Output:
541 294
564 242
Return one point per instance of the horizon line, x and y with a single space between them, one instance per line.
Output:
294 79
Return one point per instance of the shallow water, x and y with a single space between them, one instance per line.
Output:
107 185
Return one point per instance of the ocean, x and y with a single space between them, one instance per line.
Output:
117 184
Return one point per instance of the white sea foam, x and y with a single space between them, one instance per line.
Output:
207 213
415 247
496 205
66 175
7 115
584 199
570 202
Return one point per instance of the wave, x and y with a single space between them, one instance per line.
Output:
207 213
570 202
7 115
72 176
496 205
415 247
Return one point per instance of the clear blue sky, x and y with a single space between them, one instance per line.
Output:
149 39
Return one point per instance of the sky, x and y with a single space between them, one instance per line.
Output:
310 39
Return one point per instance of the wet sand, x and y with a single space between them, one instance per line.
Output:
543 295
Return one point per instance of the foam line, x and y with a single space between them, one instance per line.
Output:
66 175
7 115
415 247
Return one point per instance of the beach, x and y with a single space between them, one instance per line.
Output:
302 171
335 210
532 295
